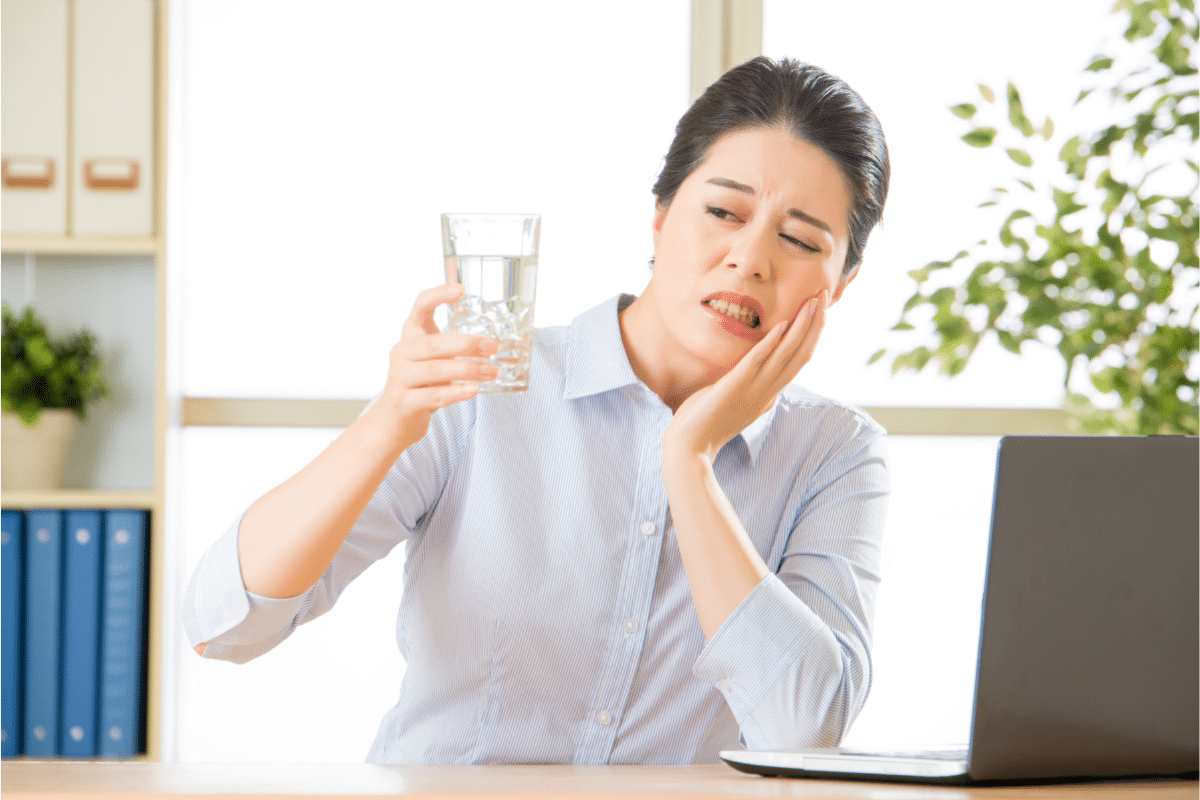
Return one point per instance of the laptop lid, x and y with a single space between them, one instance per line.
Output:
1088 659
1088 662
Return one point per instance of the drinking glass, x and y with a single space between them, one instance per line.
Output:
495 257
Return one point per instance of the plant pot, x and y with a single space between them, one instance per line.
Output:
35 458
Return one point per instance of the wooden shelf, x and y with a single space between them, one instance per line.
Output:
77 498
80 245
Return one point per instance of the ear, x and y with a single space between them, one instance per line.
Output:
841 287
660 214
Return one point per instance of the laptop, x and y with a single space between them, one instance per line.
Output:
1088 663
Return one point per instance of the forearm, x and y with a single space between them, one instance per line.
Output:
720 560
289 537
791 680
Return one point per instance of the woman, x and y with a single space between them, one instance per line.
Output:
661 549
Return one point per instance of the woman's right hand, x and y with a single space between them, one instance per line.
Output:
426 363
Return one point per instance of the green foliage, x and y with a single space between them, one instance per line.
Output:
1100 265
39 373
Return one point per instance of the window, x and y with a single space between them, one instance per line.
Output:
910 62
313 145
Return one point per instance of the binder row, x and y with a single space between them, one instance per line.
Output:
73 649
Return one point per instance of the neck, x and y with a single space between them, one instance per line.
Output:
657 361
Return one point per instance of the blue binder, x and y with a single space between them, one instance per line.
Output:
81 644
43 631
123 643
12 587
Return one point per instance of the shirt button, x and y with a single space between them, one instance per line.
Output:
603 717
724 684
226 613
648 528
630 625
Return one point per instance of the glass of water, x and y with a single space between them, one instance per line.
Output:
495 257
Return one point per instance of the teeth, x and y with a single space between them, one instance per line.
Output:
746 316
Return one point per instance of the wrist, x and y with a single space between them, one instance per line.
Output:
388 426
682 464
680 442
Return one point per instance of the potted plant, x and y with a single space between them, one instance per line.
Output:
47 387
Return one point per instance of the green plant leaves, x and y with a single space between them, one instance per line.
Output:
1074 155
38 372
39 353
980 137
1080 278
1020 156
1016 112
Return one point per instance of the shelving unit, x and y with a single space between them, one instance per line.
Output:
81 245
151 497
80 498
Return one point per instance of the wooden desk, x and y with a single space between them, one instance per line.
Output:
41 780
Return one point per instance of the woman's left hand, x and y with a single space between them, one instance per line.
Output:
715 414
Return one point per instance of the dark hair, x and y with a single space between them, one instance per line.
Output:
809 103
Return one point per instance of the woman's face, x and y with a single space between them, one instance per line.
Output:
752 233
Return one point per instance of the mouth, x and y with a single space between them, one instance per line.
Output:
739 308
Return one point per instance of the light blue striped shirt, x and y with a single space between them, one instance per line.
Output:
546 616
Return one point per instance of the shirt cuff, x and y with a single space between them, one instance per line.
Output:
757 644
218 608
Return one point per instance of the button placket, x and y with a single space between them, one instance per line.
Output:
633 611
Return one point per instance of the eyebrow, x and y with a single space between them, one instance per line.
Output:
796 213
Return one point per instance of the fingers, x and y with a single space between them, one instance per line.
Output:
443 372
800 342
777 358
437 346
418 388
430 398
420 319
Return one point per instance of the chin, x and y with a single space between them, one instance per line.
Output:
721 353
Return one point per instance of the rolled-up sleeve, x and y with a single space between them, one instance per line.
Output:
793 660
234 624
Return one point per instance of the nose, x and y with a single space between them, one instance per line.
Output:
748 253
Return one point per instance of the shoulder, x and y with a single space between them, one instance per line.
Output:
828 439
803 410
550 346
554 337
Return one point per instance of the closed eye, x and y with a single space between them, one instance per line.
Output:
721 213
800 243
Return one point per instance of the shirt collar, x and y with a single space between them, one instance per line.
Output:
755 434
596 357
597 362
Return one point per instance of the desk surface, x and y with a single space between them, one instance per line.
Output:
51 780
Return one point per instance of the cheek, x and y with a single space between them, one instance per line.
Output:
690 250
810 281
